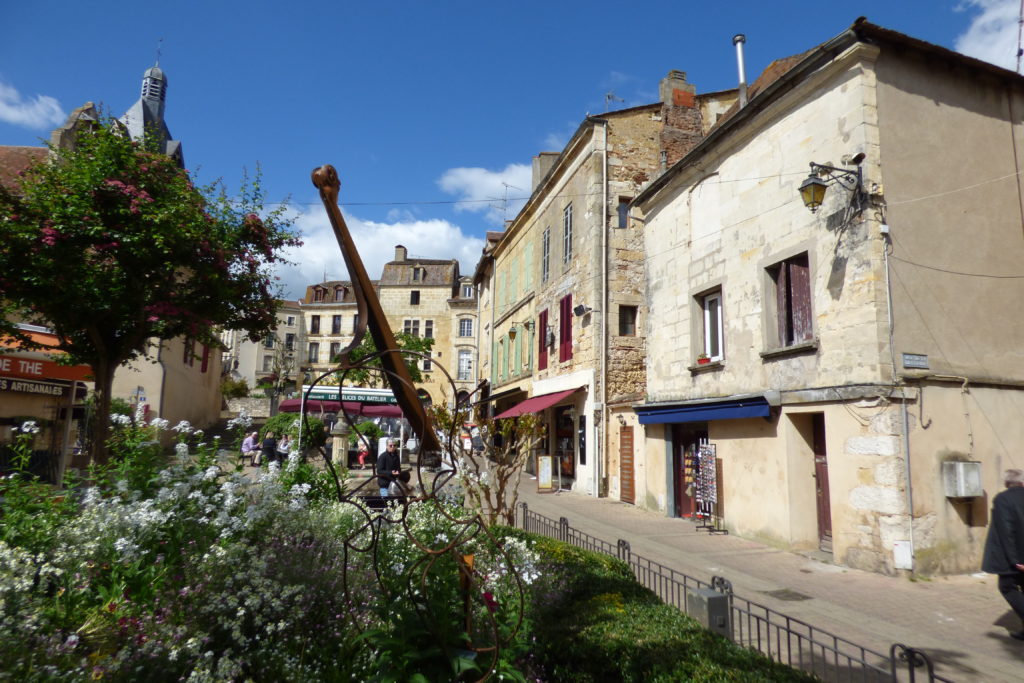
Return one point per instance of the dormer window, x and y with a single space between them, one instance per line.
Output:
417 274
318 294
339 293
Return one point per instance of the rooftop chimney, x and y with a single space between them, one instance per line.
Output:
738 41
401 253
542 163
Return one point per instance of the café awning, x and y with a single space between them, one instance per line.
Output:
535 404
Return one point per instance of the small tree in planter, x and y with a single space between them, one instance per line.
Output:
489 475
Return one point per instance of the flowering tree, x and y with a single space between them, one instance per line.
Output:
111 245
488 468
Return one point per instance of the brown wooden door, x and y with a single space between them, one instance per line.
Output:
821 482
627 493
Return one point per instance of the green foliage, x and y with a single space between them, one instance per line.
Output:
368 429
234 388
118 406
110 244
370 375
594 622
314 434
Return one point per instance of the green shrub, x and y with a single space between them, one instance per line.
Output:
234 388
314 434
592 621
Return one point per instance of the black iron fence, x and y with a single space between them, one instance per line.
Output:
783 638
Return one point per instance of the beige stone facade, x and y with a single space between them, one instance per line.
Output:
279 351
423 297
831 411
176 380
562 289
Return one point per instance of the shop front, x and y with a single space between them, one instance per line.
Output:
38 401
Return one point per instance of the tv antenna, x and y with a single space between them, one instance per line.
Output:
610 97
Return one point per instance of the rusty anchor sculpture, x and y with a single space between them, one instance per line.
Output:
325 178
371 315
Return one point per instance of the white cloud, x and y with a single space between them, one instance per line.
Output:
554 142
41 112
992 35
484 190
376 244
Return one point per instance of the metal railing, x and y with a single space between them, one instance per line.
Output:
783 638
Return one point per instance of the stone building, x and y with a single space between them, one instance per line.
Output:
849 380
421 297
563 287
329 318
278 354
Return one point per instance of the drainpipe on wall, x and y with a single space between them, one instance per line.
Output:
886 243
603 433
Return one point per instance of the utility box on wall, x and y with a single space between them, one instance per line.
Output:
711 609
962 479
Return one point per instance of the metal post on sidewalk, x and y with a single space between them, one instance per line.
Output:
624 550
525 509
563 529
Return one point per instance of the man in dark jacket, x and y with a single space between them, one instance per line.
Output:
388 467
1004 546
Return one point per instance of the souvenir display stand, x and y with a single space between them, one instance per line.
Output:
706 491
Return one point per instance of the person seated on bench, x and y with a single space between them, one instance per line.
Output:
250 447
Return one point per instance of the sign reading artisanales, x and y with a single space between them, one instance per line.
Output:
30 387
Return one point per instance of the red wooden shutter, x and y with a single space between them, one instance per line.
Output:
206 358
542 340
565 328
800 288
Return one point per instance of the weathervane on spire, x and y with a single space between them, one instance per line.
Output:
159 44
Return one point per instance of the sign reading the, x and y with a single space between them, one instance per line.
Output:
32 368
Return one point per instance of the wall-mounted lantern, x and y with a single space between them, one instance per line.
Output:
813 189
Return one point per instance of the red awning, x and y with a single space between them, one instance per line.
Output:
294 405
535 404
381 411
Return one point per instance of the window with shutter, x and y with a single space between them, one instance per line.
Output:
542 340
565 328
792 282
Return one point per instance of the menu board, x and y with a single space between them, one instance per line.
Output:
545 481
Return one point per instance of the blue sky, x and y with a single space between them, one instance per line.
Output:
431 111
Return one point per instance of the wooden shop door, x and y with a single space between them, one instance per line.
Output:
627 485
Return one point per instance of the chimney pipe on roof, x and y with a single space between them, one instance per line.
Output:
738 41
401 253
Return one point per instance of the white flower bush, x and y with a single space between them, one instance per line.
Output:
191 572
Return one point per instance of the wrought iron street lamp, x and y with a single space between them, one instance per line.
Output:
515 328
813 189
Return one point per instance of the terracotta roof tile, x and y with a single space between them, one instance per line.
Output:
14 160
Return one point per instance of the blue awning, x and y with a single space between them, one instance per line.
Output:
703 411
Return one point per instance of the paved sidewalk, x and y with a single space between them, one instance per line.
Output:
961 621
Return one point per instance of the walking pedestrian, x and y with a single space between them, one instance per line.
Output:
388 467
1004 546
